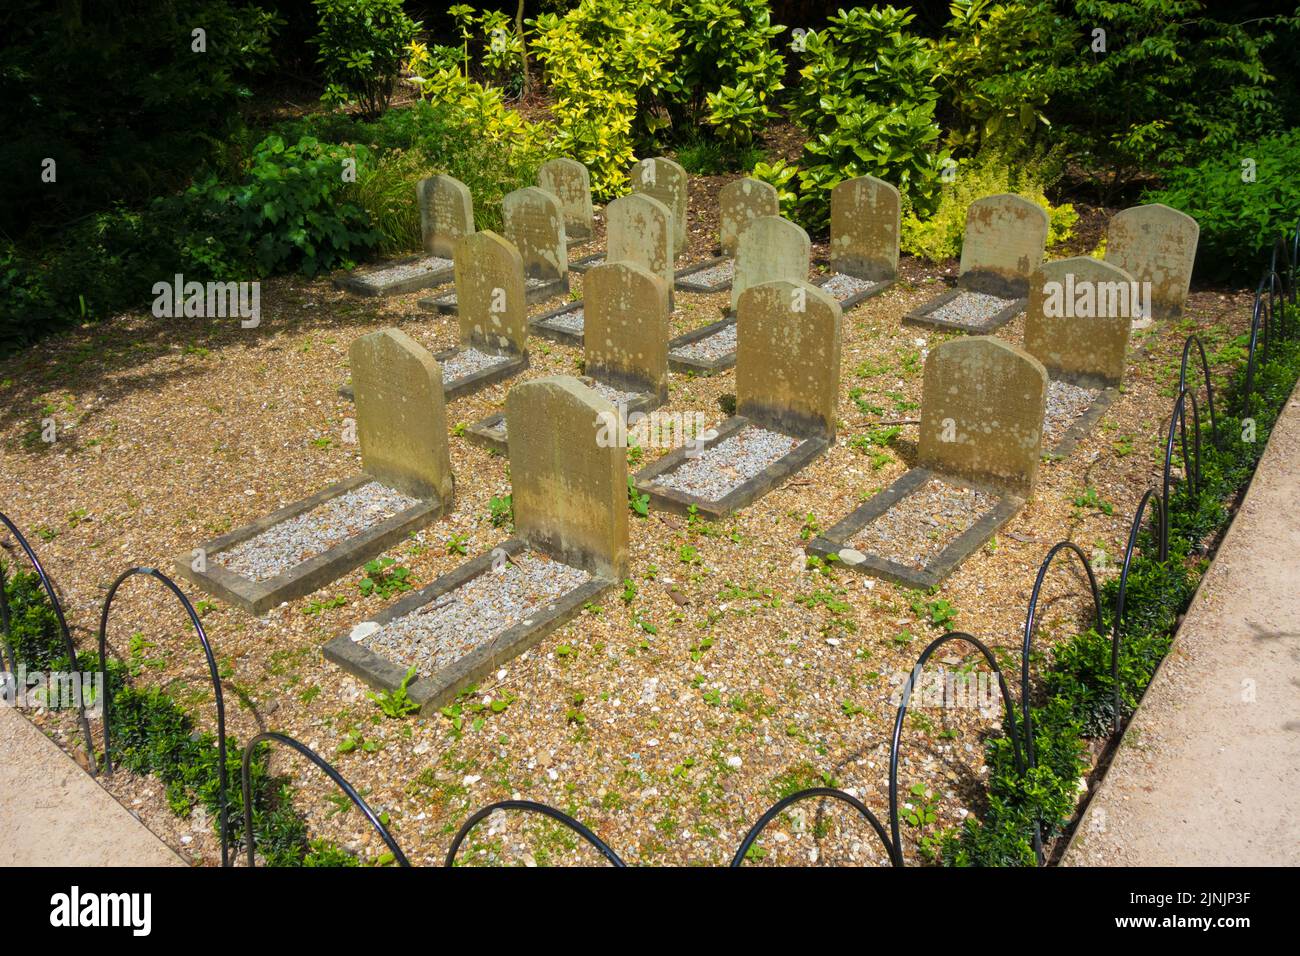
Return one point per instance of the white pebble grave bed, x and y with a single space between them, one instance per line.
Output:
722 468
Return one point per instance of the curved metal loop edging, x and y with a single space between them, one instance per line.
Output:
533 807
1295 260
63 628
1191 465
1283 260
1209 387
212 673
902 712
780 805
1026 721
1261 320
1162 519
325 767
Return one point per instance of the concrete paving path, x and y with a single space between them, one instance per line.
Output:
1208 773
53 813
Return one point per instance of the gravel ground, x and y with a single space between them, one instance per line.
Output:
449 627
970 308
917 529
467 361
842 286
613 394
722 272
720 343
449 298
1065 403
572 321
723 467
406 270
290 543
668 744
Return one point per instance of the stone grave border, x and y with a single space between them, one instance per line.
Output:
258 597
587 262
433 691
685 365
921 314
352 282
836 538
533 293
669 499
858 297
486 432
1085 423
682 277
460 387
537 326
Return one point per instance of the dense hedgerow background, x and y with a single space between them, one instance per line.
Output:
225 163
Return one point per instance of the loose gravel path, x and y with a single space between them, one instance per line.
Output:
288 544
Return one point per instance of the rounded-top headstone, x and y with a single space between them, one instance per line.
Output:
1078 319
770 248
639 228
739 204
788 342
568 474
625 334
982 408
446 213
534 223
491 309
1004 243
865 218
666 181
1156 244
570 182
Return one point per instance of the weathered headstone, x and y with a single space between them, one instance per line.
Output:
570 182
401 417
1156 244
865 216
534 223
739 204
568 485
666 181
446 213
639 229
626 328
771 248
982 409
1004 243
1078 319
490 288
788 358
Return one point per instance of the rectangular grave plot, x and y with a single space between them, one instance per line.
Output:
626 400
259 596
436 686
711 275
587 262
563 324
946 312
738 495
395 278
700 352
1066 426
535 290
457 386
489 433
849 290
836 541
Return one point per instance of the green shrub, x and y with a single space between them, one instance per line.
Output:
1237 217
362 44
386 191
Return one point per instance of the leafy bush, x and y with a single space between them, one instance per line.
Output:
938 236
867 98
362 44
1237 218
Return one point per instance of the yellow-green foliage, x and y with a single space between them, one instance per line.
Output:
386 190
939 236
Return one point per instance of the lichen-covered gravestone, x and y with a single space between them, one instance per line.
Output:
787 382
1077 324
569 492
981 428
865 220
626 334
739 204
446 213
570 182
771 248
534 223
1004 243
1156 244
639 229
406 482
666 181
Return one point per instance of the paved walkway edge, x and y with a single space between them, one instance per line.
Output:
1208 771
53 813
